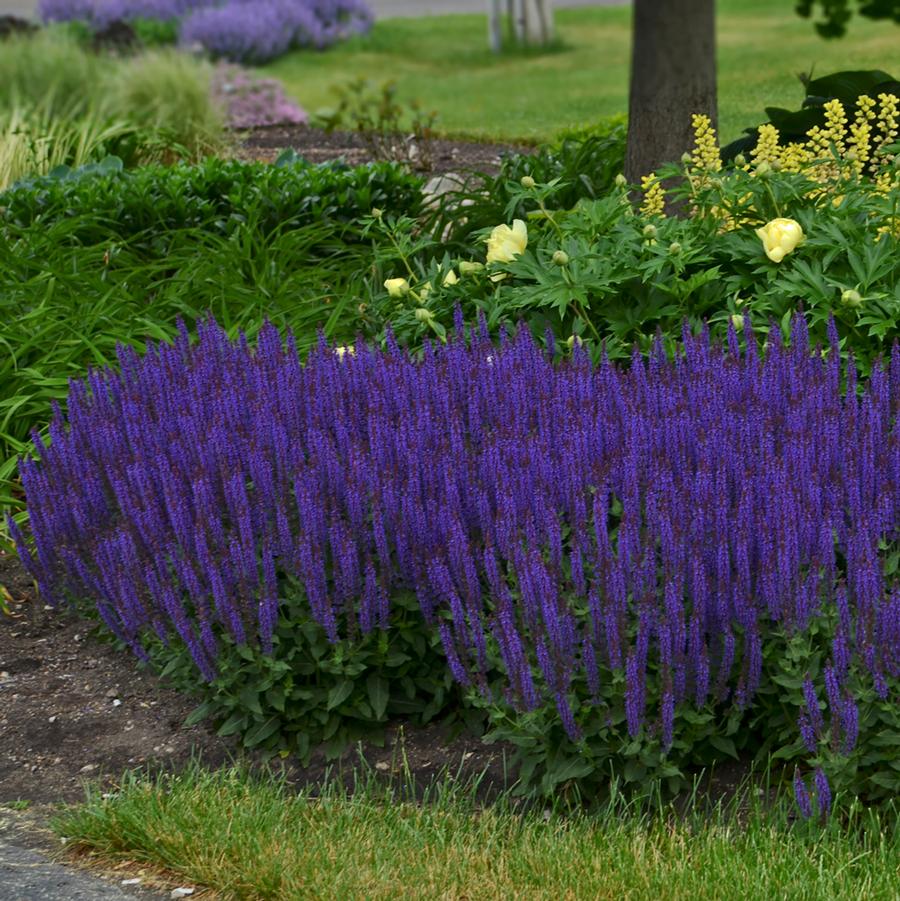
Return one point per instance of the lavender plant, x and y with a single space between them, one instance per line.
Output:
237 30
613 559
256 31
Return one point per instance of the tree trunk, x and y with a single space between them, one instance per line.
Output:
538 22
673 75
495 25
518 20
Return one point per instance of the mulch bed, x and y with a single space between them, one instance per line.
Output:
317 145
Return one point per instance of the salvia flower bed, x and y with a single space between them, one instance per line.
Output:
616 547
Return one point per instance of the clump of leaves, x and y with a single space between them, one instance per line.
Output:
310 693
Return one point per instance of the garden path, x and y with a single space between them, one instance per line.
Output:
27 874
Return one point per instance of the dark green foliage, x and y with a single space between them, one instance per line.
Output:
765 734
155 32
310 693
217 195
837 13
793 125
547 762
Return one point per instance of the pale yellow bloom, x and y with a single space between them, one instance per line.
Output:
397 287
654 196
887 121
343 349
836 125
780 237
794 157
506 243
706 146
766 150
451 278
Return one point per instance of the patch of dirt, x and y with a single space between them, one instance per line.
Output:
317 146
73 708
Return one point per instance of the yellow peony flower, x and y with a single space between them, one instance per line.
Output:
506 243
397 287
780 237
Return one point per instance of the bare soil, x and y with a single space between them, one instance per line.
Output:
73 708
317 145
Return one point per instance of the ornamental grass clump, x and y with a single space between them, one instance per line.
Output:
633 569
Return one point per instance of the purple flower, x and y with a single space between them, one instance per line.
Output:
662 519
823 791
801 794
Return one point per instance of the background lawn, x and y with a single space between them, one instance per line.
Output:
445 63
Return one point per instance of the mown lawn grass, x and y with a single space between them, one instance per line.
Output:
249 837
445 63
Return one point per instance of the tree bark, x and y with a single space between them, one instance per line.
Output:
673 75
495 26
538 22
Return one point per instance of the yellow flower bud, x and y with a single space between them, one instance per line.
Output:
451 278
674 248
467 268
649 231
780 237
687 159
621 181
527 181
397 287
560 257
738 322
424 315
851 298
506 243
763 168
740 161
424 291
377 213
